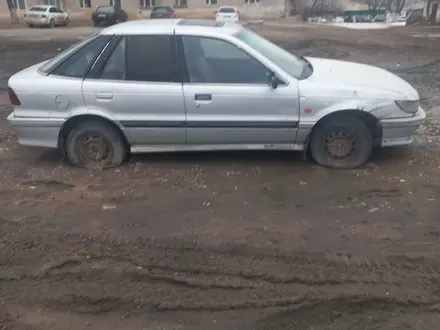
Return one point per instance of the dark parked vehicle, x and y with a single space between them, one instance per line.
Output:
108 15
162 12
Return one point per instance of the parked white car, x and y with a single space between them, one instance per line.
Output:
122 91
227 14
42 15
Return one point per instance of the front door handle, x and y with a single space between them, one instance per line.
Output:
203 97
104 95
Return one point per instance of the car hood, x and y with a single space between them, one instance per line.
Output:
361 78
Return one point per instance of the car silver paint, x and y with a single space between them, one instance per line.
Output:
49 101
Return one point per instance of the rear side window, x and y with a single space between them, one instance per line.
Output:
114 69
79 63
150 58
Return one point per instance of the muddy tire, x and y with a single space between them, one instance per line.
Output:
342 142
95 145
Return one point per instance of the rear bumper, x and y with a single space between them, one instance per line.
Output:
37 21
104 20
37 132
400 131
227 20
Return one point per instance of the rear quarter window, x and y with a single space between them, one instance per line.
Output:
48 66
79 62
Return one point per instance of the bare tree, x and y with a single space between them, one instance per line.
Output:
12 11
396 6
374 5
305 8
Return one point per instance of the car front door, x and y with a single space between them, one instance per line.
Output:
61 16
229 99
136 84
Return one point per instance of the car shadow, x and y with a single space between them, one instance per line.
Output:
221 157
379 156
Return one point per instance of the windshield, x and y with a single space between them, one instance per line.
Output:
105 9
38 9
280 57
54 62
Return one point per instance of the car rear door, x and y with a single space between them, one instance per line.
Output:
136 84
54 15
229 100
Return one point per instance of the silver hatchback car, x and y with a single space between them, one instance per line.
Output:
189 85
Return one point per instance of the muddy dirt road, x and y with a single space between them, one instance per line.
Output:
226 240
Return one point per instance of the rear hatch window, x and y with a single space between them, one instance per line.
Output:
227 10
162 9
40 9
105 9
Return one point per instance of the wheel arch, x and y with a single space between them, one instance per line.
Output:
371 121
71 122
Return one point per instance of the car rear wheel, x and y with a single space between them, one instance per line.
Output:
95 145
51 23
66 21
341 142
31 25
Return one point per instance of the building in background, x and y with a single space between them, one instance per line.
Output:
135 8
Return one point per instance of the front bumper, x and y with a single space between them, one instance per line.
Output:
37 132
399 131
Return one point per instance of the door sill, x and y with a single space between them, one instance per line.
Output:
214 147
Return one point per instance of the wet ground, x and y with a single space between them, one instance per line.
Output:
226 240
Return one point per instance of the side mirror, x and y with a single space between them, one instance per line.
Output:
273 82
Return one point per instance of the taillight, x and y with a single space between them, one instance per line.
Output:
170 14
43 16
13 97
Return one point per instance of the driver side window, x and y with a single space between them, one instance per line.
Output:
216 61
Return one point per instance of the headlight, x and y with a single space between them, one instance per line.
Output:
408 106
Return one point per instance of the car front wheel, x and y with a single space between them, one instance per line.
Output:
342 142
95 145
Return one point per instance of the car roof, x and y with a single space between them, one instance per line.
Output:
168 26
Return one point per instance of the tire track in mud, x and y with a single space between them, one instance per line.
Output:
98 275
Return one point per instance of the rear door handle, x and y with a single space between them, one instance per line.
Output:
104 95
203 97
